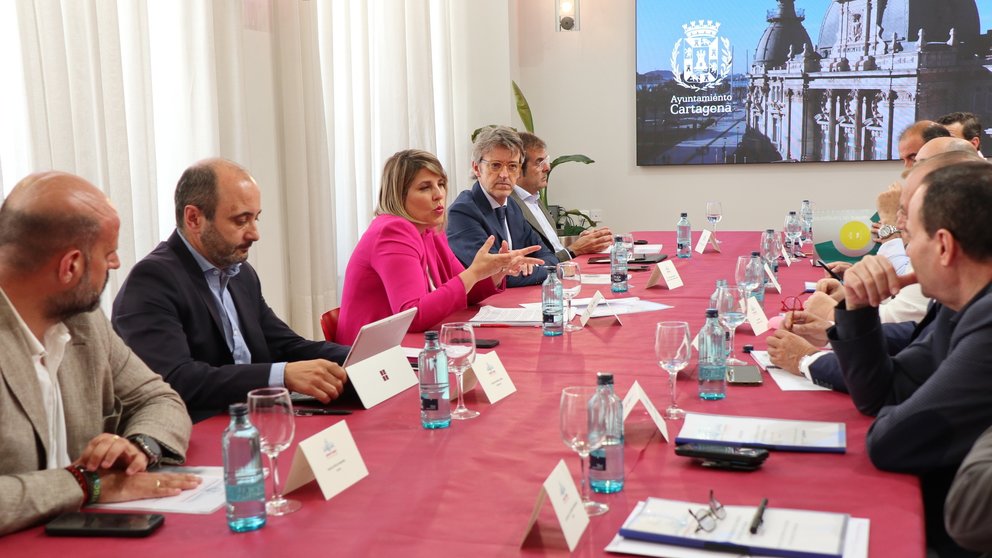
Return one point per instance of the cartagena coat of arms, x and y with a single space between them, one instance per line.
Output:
706 59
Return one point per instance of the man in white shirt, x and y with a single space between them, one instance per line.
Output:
526 194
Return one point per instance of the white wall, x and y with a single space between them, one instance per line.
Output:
580 86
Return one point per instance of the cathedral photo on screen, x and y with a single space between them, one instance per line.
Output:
726 81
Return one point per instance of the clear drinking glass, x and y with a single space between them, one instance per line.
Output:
583 434
571 283
730 305
673 349
271 411
458 341
749 273
714 213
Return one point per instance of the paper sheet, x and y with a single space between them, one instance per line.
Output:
786 381
206 498
618 306
795 435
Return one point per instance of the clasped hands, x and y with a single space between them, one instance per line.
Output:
122 470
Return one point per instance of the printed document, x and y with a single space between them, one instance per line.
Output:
795 435
206 498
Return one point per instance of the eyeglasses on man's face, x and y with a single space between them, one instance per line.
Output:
496 167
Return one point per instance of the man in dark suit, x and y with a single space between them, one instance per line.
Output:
484 211
927 431
193 308
534 178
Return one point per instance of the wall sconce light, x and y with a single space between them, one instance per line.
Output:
566 15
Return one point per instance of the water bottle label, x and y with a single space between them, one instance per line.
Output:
597 461
427 404
550 319
249 492
618 277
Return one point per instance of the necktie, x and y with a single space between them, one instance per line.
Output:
501 215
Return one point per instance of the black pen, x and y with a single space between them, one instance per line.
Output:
312 412
759 516
830 271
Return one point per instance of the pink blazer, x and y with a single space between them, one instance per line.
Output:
388 273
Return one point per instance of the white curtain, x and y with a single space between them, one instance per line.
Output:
311 96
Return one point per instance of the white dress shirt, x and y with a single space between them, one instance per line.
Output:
532 201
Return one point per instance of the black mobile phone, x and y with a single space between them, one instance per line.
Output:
724 457
81 524
485 343
744 375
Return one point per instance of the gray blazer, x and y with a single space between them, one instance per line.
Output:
105 388
563 255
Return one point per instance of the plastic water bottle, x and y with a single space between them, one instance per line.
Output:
712 359
768 250
683 236
552 304
758 266
606 463
435 404
806 215
244 482
618 266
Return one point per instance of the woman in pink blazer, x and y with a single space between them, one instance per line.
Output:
403 259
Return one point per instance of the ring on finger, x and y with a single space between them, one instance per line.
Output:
158 483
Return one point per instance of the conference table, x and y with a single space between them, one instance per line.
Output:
469 490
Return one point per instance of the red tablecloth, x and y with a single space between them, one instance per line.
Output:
469 490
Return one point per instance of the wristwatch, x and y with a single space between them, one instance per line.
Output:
148 446
885 231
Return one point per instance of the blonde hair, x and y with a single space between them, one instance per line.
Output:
397 177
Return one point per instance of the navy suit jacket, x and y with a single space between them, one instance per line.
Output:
471 220
926 429
167 315
826 370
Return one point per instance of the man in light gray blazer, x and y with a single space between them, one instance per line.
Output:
526 194
81 417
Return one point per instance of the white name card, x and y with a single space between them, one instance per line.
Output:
493 377
788 259
382 376
591 308
331 457
569 512
756 316
636 394
706 237
665 271
771 277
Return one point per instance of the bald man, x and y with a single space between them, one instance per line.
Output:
193 308
81 417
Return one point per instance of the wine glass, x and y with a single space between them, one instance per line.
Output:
714 213
571 283
673 349
730 304
793 230
458 341
271 411
584 433
628 244
749 273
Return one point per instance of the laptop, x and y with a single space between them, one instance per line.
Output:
372 339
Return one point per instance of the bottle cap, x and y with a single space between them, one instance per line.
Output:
755 253
238 409
711 313
684 214
430 335
792 213
604 378
770 231
748 348
617 238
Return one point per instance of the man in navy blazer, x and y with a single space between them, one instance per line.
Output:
193 309
483 211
